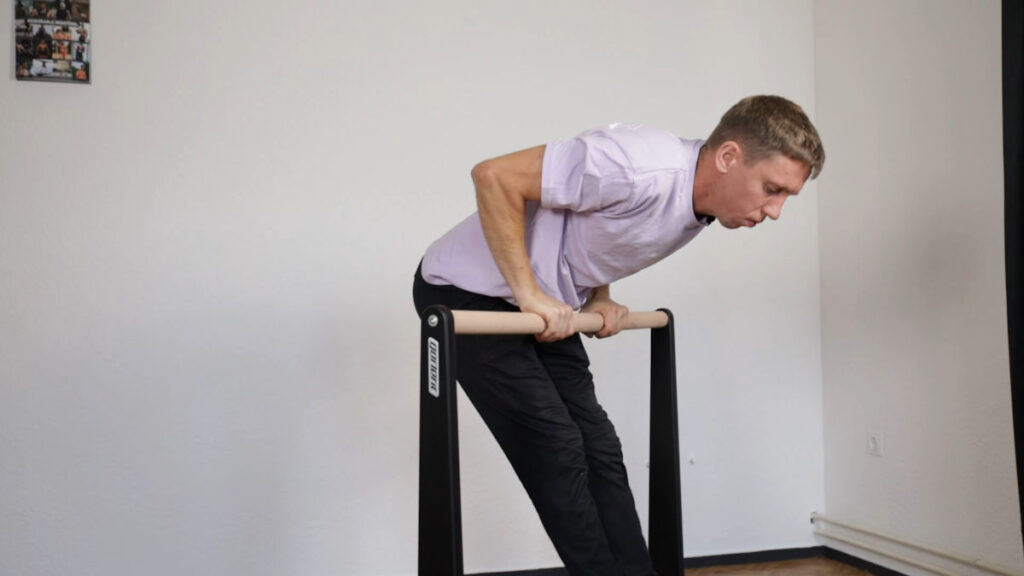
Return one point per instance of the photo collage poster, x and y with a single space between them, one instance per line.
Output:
52 40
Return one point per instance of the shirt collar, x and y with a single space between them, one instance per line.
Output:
702 219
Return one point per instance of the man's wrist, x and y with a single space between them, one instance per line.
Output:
528 293
600 294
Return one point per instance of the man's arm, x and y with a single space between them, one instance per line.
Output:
600 301
503 186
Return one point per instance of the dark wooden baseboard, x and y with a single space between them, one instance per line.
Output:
541 572
861 564
744 558
755 557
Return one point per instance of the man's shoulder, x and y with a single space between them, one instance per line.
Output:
647 147
632 132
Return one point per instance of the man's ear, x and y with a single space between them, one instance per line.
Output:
728 155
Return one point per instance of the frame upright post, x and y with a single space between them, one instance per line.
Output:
440 509
665 528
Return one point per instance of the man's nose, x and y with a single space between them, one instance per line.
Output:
774 208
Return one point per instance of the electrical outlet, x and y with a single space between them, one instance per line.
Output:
875 443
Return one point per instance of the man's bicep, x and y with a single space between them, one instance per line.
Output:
518 172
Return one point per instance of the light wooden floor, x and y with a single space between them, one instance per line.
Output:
808 567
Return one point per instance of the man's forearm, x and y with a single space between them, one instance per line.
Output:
503 187
503 217
504 229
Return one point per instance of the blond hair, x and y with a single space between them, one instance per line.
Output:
768 125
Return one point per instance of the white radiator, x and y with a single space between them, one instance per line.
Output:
929 559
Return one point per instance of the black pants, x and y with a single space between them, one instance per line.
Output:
538 400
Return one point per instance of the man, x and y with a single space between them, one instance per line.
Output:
555 226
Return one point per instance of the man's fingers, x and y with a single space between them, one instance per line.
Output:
557 324
613 319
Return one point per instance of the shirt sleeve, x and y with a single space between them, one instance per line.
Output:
584 174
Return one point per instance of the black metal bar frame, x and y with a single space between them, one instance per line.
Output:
440 513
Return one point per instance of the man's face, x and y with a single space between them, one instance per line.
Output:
749 194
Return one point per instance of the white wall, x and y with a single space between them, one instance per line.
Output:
208 352
913 292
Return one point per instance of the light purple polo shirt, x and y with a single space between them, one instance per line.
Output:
614 200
